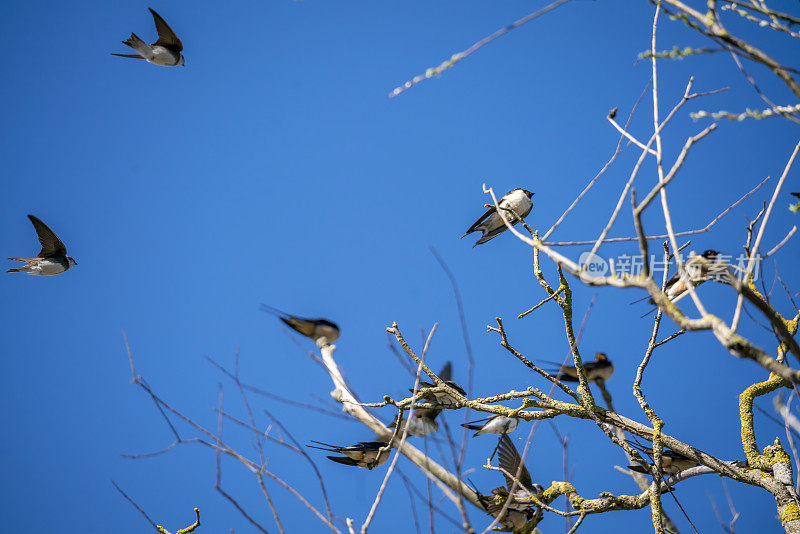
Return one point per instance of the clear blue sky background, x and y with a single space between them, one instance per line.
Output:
273 168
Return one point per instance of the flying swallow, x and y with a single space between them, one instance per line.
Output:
510 461
321 331
363 454
497 424
600 369
513 520
52 259
672 462
165 52
423 420
491 223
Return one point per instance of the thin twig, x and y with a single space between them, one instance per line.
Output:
455 58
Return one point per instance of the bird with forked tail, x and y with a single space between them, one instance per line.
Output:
53 257
320 331
600 369
491 223
368 454
165 52
696 270
498 424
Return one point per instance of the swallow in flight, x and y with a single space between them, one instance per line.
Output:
53 257
166 51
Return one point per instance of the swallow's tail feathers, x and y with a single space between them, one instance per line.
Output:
26 260
638 469
131 56
475 226
557 364
327 446
16 270
491 235
343 460
631 303
482 499
472 426
648 312
266 308
135 42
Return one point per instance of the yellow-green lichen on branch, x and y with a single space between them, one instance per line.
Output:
749 444
606 502
190 528
791 512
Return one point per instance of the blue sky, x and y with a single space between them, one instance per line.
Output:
273 168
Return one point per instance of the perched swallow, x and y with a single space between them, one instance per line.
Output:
697 269
497 424
600 369
363 454
165 52
423 420
52 259
672 462
491 223
510 461
440 397
321 331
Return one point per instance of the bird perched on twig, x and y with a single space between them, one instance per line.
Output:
440 397
423 420
53 257
321 331
491 223
600 369
497 424
367 454
166 51
697 269
672 462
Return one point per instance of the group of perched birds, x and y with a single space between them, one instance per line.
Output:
512 505
520 492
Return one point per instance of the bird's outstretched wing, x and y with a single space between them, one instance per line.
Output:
51 244
510 460
447 372
166 37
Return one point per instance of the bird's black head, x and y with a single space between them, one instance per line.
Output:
710 254
527 193
600 357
